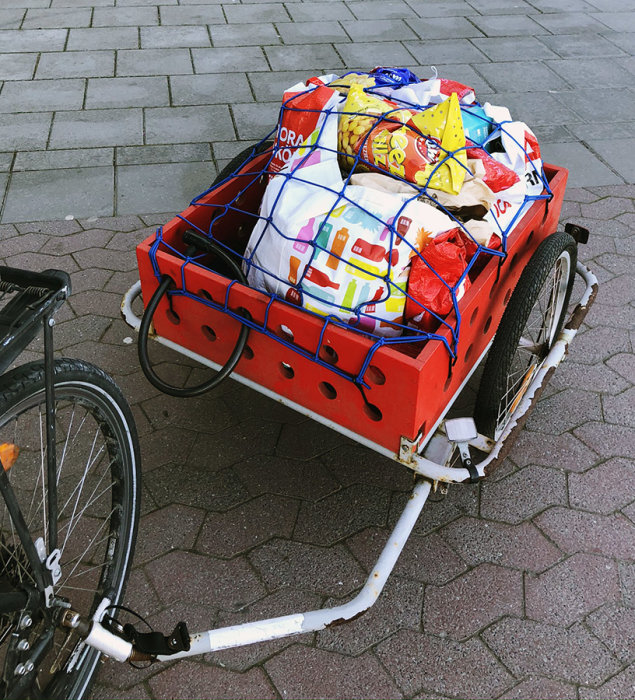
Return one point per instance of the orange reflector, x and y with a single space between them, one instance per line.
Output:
8 454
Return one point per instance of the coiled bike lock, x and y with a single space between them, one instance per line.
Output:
195 242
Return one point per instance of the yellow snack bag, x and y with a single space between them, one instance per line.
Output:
413 151
406 143
359 116
346 81
444 124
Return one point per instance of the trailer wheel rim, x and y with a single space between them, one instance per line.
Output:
536 339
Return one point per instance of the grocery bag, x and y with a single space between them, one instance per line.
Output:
434 276
338 249
519 153
304 108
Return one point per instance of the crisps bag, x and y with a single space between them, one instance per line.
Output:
336 250
424 147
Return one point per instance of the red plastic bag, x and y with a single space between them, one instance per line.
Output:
302 111
463 92
447 255
497 176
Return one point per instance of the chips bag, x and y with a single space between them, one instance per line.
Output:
361 112
344 83
427 147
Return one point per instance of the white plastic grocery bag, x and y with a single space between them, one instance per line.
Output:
521 154
337 249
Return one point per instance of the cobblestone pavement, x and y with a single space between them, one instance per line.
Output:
117 107
523 587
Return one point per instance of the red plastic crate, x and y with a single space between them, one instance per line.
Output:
410 386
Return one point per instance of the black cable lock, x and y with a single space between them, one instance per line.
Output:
196 242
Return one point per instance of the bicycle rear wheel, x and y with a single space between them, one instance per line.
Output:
97 512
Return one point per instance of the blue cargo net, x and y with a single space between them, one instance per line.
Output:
371 286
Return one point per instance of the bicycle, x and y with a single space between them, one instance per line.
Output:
70 497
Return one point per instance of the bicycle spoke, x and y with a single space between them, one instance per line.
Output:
80 486
67 562
92 568
63 455
78 518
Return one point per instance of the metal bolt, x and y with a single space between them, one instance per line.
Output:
29 666
23 645
70 618
51 322
20 670
25 622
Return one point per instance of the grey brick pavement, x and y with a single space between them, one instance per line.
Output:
523 587
95 74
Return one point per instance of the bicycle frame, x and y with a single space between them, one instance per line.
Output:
37 298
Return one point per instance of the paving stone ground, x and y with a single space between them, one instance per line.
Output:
522 587
115 107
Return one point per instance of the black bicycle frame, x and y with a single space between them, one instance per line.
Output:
51 461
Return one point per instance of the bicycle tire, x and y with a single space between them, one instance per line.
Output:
240 159
515 350
98 513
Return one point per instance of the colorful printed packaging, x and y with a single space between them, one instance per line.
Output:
306 104
345 256
423 147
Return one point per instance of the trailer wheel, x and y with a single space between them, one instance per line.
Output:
529 327
241 158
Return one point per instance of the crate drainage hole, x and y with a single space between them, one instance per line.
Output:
372 412
205 294
328 354
375 375
488 323
327 390
286 333
208 333
474 315
173 317
286 370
